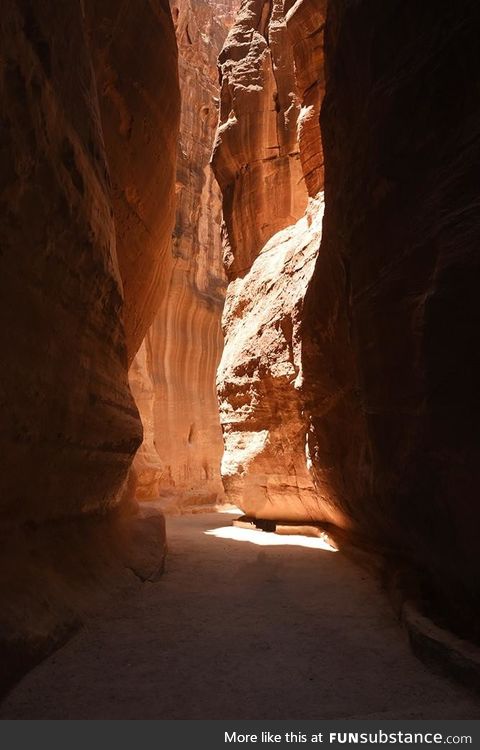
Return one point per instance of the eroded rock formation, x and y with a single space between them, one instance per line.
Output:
139 99
265 466
268 160
391 325
70 427
381 379
256 159
65 398
173 377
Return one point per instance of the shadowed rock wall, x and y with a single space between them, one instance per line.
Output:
87 147
67 410
135 60
391 326
349 389
69 424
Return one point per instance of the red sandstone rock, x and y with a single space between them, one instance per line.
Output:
69 424
135 58
305 24
256 157
67 409
266 465
173 377
391 324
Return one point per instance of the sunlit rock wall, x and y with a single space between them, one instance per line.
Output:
256 158
268 161
173 378
265 466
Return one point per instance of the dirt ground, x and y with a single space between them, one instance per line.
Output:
252 627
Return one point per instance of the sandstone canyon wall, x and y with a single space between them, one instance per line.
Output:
256 158
135 60
391 322
67 409
86 155
173 376
348 380
268 161
65 398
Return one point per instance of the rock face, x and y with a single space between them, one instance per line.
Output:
70 427
268 160
265 466
391 321
67 413
65 399
173 377
256 158
139 105
348 383
305 24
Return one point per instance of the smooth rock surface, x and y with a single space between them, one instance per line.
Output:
69 424
173 376
135 60
70 168
70 427
391 320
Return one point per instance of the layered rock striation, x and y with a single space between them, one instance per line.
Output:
67 409
256 157
67 413
87 146
268 160
173 377
139 105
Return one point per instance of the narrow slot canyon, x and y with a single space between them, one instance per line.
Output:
238 311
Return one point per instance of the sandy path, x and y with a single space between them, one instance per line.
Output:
236 630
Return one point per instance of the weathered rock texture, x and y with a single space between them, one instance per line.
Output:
391 323
67 412
268 160
383 378
69 425
305 24
256 159
173 377
135 59
265 466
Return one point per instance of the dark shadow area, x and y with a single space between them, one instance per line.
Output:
235 630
